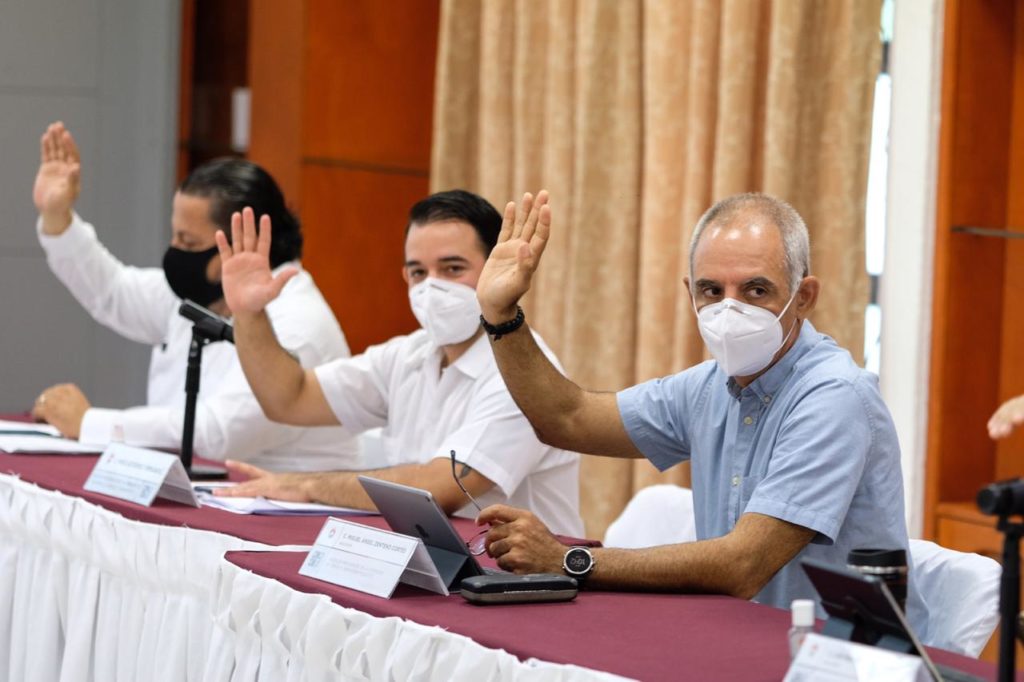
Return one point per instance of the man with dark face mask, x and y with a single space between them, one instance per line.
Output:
142 304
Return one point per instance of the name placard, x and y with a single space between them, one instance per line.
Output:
827 659
140 475
366 559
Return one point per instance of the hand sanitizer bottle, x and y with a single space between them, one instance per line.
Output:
803 623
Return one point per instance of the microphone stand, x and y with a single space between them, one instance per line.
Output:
1005 499
1009 597
207 328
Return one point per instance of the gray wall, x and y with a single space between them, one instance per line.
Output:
109 70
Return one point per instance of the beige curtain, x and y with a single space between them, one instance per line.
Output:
637 116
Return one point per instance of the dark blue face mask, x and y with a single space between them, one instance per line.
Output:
186 274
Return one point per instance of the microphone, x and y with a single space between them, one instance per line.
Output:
210 326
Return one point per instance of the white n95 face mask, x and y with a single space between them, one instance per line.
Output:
448 311
743 338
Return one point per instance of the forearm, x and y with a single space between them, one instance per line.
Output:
337 488
561 413
739 564
342 488
709 566
276 378
549 400
134 302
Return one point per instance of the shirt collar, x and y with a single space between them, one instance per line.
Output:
472 363
766 385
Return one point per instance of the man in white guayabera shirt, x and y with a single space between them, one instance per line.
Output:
434 392
142 304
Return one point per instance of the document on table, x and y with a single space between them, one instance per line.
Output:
19 444
27 429
263 507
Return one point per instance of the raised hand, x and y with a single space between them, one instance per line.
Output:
248 283
1009 416
506 275
58 181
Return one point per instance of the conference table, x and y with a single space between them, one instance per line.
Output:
94 588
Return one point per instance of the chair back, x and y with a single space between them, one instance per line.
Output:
961 593
657 515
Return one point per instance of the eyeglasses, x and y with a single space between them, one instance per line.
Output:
477 544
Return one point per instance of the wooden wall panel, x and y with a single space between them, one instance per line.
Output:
977 101
1010 452
277 36
978 322
355 226
187 56
370 81
342 97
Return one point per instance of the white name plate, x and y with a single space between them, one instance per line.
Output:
362 558
140 475
826 659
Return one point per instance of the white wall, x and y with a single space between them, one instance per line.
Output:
906 284
109 70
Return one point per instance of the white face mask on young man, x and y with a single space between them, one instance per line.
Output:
448 311
743 338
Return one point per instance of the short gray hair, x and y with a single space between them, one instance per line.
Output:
795 241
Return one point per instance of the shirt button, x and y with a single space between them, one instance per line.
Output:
748 420
767 399
735 481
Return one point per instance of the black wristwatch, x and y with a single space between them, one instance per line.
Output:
578 563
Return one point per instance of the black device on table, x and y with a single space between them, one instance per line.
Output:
861 609
509 588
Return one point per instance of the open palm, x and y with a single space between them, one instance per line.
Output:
509 269
249 285
57 182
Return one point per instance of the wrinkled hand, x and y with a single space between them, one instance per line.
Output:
245 271
506 275
1009 416
262 483
520 542
62 406
58 180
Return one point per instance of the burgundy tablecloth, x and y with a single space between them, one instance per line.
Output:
643 636
646 636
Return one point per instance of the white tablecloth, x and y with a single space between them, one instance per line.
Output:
86 594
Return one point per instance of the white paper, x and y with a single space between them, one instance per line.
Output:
826 659
27 427
264 507
359 557
28 444
140 475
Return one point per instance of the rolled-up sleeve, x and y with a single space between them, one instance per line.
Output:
495 438
654 414
357 388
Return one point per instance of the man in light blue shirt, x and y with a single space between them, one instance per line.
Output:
809 442
794 453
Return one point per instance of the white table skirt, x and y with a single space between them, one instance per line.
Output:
86 594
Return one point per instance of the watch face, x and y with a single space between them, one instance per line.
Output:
578 561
